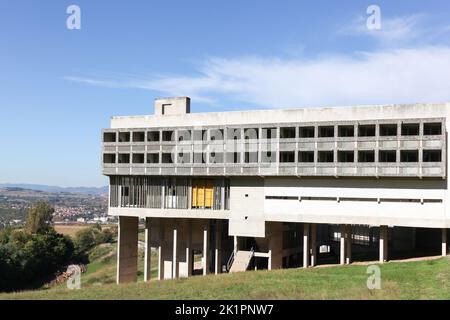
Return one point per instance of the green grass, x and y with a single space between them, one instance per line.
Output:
406 280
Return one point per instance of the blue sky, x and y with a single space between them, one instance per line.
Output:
59 87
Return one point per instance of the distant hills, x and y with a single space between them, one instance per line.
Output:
45 188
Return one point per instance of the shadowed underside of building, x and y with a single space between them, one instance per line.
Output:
277 188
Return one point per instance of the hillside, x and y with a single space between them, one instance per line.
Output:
407 280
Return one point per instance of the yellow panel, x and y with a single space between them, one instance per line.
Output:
194 196
201 197
209 194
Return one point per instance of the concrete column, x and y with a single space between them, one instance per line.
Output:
127 249
160 263
174 254
205 251
348 249
217 253
342 244
269 263
305 245
313 244
444 242
235 243
383 243
147 252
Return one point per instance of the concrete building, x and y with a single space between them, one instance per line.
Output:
277 188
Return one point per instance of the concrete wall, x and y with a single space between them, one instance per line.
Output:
127 249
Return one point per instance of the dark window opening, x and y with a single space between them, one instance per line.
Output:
366 130
432 129
346 156
306 156
287 156
109 158
167 158
432 155
168 135
346 131
184 135
124 158
109 137
410 129
388 130
138 158
124 137
306 132
326 132
409 155
325 156
138 136
366 156
287 132
153 136
152 157
387 156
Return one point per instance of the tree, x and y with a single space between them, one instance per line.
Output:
39 218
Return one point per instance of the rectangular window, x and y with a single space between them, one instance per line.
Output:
124 137
268 157
251 157
325 156
346 131
388 130
109 137
432 129
184 157
216 134
410 129
139 136
287 156
432 155
250 133
167 158
306 132
287 132
184 135
199 157
233 157
387 156
168 136
346 156
124 158
306 156
152 157
326 132
109 158
409 155
269 133
366 156
153 136
233 134
216 157
199 135
366 130
138 158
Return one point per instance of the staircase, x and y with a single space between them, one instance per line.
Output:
241 260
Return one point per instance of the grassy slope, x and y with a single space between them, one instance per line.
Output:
409 280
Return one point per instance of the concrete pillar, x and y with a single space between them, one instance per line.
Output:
383 243
217 253
205 250
160 263
444 242
174 254
305 245
342 244
348 248
147 252
235 243
127 249
313 244
269 263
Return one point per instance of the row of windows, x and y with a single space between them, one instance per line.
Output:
353 199
284 157
366 130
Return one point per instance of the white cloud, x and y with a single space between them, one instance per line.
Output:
386 76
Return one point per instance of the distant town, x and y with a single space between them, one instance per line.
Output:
76 206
